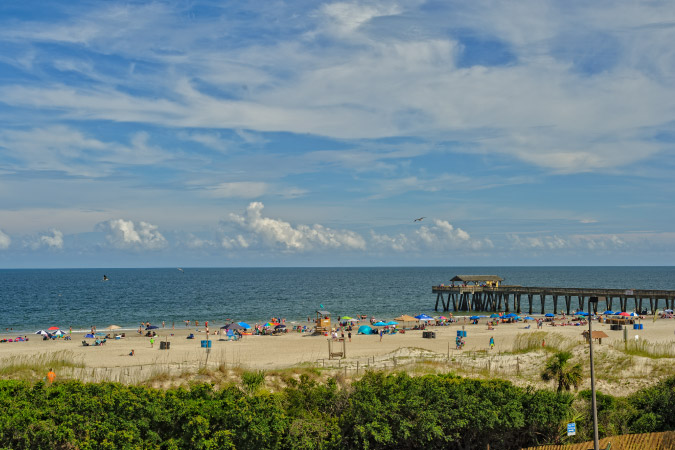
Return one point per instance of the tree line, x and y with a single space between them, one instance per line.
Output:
377 411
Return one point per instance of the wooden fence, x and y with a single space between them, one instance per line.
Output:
647 441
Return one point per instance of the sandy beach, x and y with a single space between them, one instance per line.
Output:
293 349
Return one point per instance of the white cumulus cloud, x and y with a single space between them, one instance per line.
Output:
128 234
4 241
253 228
441 235
54 241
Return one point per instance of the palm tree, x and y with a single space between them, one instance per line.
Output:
558 368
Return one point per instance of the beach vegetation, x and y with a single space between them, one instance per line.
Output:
541 341
29 367
559 369
642 347
380 410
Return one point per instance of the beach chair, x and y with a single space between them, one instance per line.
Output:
85 344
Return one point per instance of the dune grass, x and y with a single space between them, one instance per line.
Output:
28 367
643 347
554 342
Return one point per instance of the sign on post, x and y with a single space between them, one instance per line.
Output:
571 429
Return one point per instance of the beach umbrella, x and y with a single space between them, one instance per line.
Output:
549 315
278 327
233 326
380 324
42 332
89 335
346 318
365 329
113 327
244 325
474 318
443 318
392 322
52 328
59 333
424 317
528 318
634 314
582 313
625 314
494 316
151 327
609 313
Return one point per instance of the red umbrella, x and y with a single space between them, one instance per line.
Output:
52 328
624 314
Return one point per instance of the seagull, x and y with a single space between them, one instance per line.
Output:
418 220
180 269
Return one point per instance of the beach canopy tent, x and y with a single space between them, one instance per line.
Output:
244 325
609 313
405 318
365 329
151 327
424 317
380 324
549 315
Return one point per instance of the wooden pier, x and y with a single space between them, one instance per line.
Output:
496 297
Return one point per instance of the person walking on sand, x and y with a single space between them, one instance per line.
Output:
492 342
51 376
152 342
349 335
381 333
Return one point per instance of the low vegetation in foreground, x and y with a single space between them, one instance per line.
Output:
376 411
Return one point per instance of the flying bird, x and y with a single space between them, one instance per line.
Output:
180 269
419 220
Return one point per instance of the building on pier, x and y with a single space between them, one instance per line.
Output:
475 294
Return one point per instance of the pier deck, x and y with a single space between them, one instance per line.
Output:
510 298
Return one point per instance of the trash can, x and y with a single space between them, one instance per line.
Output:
432 334
206 344
164 345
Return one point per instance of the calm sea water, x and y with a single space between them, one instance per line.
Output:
32 299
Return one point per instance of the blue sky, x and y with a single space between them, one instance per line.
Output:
199 133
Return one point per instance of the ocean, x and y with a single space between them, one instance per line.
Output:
33 299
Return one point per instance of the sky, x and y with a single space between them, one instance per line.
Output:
309 133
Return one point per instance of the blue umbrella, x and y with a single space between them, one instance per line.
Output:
549 315
582 313
392 322
152 327
528 318
423 317
380 324
474 318
609 313
244 325
494 316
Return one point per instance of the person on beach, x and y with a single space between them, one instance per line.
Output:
381 334
492 342
132 352
162 324
152 342
51 376
349 335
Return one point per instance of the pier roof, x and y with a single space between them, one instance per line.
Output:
477 278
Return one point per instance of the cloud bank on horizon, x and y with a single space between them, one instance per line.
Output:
152 133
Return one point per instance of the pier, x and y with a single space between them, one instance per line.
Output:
485 293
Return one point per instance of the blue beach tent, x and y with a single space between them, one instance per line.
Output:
549 315
365 329
609 313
